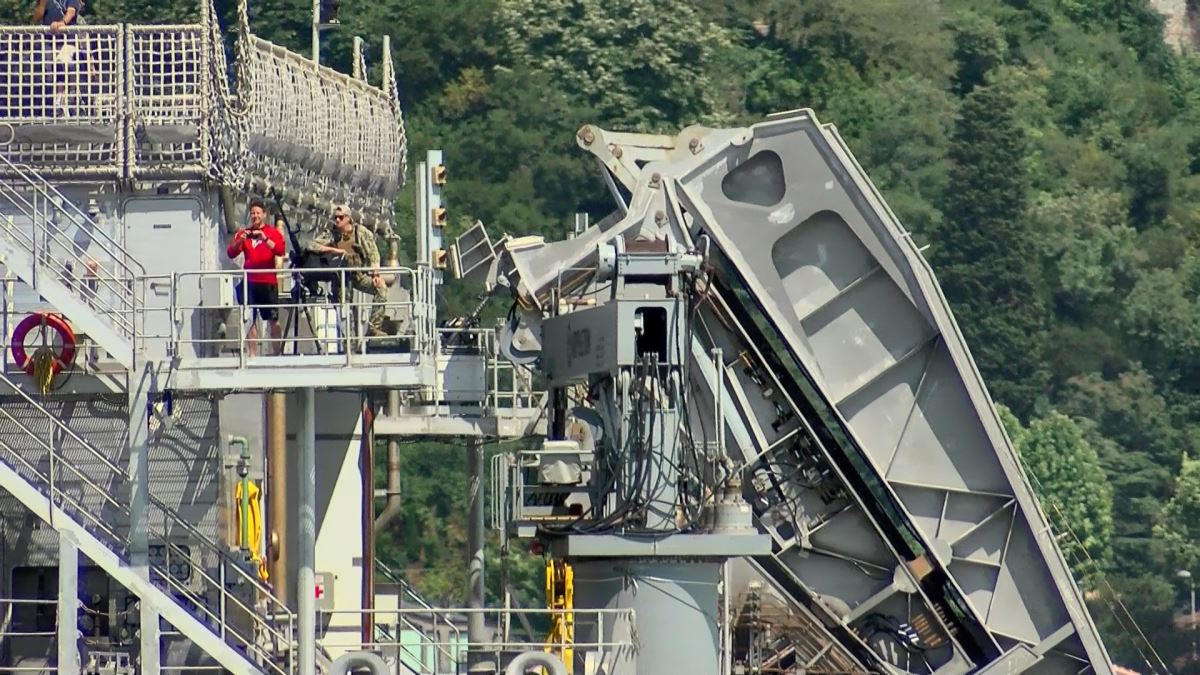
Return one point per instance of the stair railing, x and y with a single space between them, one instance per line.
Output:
95 267
206 594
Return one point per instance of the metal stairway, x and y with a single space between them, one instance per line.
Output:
68 258
74 488
409 597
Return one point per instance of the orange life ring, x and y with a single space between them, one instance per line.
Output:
55 321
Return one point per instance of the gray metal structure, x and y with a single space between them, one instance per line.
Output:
748 359
842 393
120 165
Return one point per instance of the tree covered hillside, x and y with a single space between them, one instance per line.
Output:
1047 151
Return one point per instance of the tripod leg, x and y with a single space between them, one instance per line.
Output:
318 344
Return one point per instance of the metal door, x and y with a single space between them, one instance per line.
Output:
165 234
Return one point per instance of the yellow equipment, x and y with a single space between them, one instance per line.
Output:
560 595
43 368
250 524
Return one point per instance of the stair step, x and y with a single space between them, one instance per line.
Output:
188 611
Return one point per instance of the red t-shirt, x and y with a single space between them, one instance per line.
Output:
259 256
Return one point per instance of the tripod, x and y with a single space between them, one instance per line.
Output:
302 288
300 295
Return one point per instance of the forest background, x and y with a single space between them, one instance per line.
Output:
1046 151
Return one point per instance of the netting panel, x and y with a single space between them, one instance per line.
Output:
319 132
61 99
155 101
169 100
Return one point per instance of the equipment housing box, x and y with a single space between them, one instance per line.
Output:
610 336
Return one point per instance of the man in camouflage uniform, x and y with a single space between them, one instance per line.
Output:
355 245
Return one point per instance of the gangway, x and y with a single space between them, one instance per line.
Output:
73 487
826 372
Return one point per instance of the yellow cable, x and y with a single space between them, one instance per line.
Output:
43 368
560 595
255 524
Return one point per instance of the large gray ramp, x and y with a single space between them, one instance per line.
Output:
826 364
820 260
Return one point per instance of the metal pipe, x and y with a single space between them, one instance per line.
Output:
139 386
68 604
476 630
358 59
316 32
1193 618
726 628
366 464
306 578
229 210
392 506
277 496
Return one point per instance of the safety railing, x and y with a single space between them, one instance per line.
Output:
66 246
427 624
28 635
139 101
109 101
506 386
61 99
17 300
512 387
195 571
219 319
520 501
314 131
171 101
428 653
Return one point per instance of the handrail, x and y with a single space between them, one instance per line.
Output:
418 309
116 298
455 650
412 593
26 171
170 522
37 217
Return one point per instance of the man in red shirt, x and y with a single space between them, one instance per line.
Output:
259 245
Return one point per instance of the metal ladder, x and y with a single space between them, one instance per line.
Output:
67 257
247 637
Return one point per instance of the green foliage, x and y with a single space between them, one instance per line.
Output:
1066 474
979 47
112 11
1178 532
985 252
637 63
1150 601
1087 246
427 542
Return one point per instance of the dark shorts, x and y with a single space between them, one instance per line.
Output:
263 298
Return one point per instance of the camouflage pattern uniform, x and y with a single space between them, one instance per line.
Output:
361 251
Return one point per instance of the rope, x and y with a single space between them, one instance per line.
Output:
43 368
315 135
1062 523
